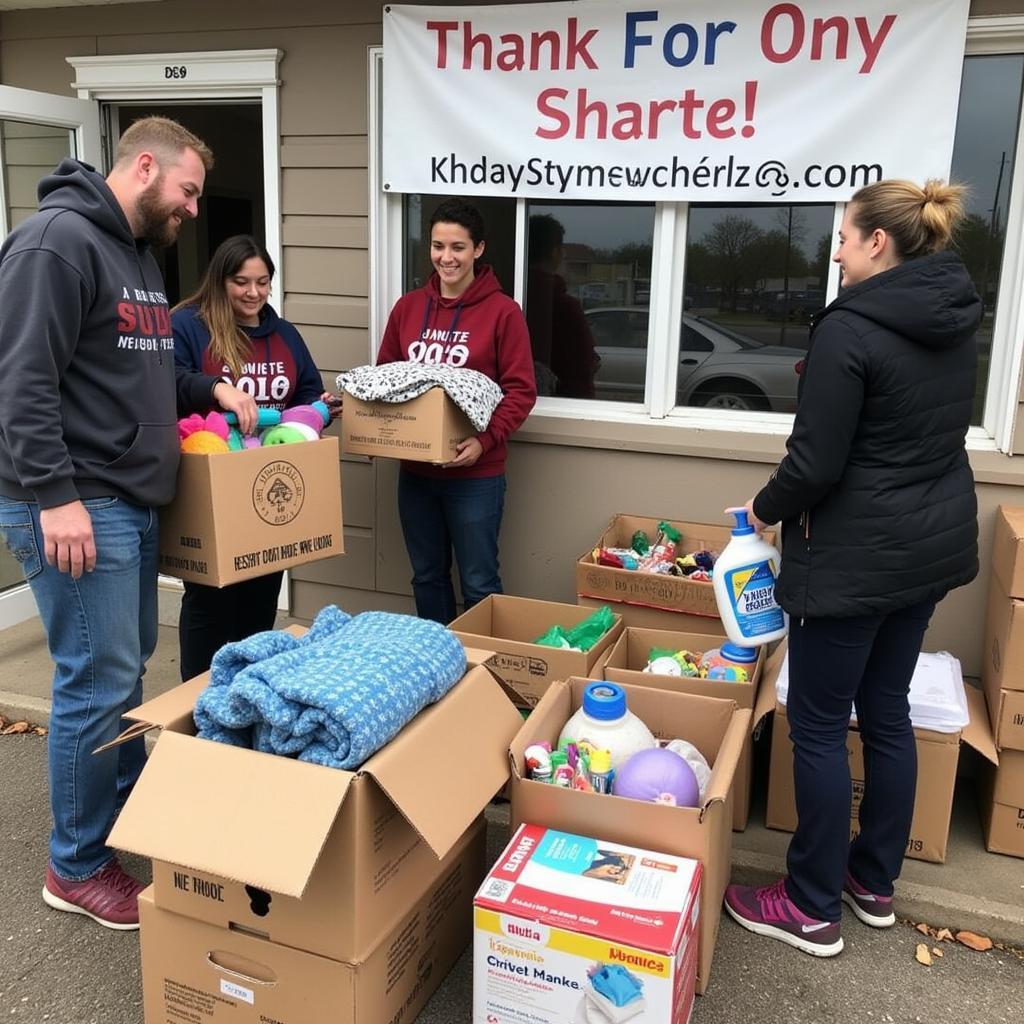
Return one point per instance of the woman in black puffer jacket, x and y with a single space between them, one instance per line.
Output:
879 521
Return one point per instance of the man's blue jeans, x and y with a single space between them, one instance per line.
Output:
101 629
439 515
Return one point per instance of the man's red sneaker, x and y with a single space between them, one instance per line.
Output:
110 897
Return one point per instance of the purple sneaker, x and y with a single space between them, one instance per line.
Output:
769 911
873 910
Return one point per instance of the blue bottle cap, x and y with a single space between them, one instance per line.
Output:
742 527
734 652
604 701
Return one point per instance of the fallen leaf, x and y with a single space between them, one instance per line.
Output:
39 730
937 952
16 727
922 956
944 935
923 928
972 941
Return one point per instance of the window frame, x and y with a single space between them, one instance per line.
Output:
985 36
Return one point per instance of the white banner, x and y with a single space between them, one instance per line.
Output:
697 100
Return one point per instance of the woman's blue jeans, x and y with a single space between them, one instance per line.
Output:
440 515
101 629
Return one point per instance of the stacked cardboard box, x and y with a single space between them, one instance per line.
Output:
937 756
1003 677
289 891
625 664
718 728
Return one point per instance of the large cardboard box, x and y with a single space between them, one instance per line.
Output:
509 625
1003 805
424 429
937 757
193 970
1003 667
237 515
558 914
625 664
311 857
642 617
1008 550
718 728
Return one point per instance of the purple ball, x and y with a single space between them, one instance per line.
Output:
658 776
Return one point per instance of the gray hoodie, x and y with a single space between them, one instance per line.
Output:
87 379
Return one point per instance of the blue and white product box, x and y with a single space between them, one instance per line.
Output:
572 930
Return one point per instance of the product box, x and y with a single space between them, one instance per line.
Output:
937 756
194 971
237 515
1003 667
1003 805
568 928
306 856
509 625
718 728
625 663
1008 550
424 429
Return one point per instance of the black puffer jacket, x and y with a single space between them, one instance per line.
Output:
875 494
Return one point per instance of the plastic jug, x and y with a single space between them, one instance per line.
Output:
604 721
730 655
744 582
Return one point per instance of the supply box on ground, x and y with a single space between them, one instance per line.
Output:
569 928
937 756
195 971
306 856
237 515
718 728
625 663
1003 805
424 429
510 625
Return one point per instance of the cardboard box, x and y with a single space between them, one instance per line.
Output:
1003 805
937 757
1008 550
193 970
311 857
546 916
508 625
625 663
424 429
1003 667
642 617
237 515
718 728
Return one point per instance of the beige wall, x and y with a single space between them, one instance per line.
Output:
565 479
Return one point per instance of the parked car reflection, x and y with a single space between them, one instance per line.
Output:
718 367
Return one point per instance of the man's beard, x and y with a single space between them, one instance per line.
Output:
155 224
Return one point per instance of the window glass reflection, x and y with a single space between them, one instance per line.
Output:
986 139
588 293
29 152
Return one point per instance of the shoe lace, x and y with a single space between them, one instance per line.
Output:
117 878
772 893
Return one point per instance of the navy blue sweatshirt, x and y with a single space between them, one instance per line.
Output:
87 377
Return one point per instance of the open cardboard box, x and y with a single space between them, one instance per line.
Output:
236 515
509 625
193 970
718 728
937 757
1003 805
625 663
424 429
306 856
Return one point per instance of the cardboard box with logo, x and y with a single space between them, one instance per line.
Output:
424 429
569 928
232 844
1002 805
718 728
193 970
937 756
237 515
625 664
509 625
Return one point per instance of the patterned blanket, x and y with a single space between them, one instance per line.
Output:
333 696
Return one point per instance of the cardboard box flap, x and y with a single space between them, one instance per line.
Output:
451 759
477 655
765 703
728 753
255 818
977 733
166 710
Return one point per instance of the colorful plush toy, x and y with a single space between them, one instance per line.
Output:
204 435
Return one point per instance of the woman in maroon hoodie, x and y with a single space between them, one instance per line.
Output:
460 317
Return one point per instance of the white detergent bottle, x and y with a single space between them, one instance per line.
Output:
744 582
605 722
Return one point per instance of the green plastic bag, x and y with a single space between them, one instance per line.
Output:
554 637
585 634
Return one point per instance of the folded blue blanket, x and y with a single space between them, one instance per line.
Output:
333 696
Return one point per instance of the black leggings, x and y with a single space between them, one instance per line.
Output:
214 616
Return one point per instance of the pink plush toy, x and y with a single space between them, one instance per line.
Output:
192 427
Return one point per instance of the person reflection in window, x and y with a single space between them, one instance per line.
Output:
563 347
